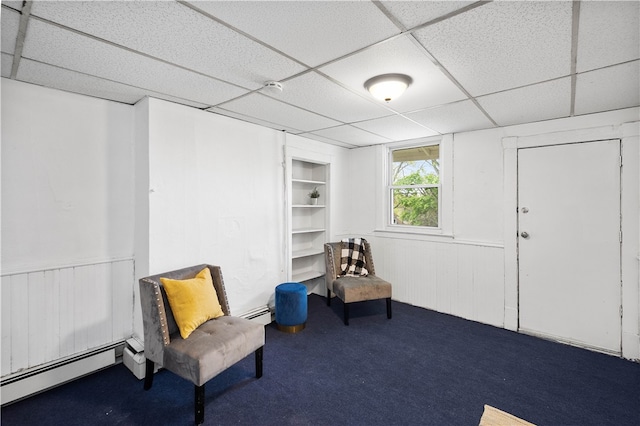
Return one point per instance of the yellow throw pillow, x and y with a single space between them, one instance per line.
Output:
192 301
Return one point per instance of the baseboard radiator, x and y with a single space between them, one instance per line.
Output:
26 383
62 323
260 314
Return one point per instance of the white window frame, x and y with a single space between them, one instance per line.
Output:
445 192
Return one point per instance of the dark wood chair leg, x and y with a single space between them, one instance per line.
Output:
148 374
259 353
199 399
346 314
328 297
389 308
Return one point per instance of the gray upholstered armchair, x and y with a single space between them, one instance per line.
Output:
353 289
208 350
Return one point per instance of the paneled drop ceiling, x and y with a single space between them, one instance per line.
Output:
474 65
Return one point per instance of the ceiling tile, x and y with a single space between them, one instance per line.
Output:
271 110
10 25
177 34
502 45
395 128
514 57
70 81
316 93
7 63
414 13
58 78
401 55
313 32
600 90
453 118
351 135
17 5
251 119
327 140
69 50
609 33
537 102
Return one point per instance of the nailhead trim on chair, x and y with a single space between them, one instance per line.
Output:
163 317
161 312
225 304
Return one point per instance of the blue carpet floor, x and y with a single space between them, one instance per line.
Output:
419 368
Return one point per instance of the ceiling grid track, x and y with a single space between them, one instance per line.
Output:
575 26
22 34
404 32
242 33
409 33
137 52
469 62
454 81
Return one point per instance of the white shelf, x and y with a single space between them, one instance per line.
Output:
310 182
310 206
306 275
308 252
308 172
307 230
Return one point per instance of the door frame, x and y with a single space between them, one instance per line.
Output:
629 134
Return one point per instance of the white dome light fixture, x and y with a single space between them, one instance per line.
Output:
387 87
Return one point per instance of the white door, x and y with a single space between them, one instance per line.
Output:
569 243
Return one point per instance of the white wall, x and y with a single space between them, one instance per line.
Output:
478 189
67 219
67 178
460 271
362 186
141 203
215 195
473 273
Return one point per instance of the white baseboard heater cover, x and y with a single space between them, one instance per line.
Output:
46 378
261 315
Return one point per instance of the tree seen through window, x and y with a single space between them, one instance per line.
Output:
415 186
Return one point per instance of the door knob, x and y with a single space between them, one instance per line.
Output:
524 234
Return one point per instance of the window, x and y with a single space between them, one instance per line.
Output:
414 188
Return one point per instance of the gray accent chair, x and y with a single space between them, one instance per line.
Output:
353 289
210 349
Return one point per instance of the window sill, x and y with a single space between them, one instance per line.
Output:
412 233
437 236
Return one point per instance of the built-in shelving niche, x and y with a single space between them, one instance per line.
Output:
309 221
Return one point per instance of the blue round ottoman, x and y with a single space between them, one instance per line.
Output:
291 307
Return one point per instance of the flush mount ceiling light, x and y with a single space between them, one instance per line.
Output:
387 87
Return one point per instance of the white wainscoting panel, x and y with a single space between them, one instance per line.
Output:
48 315
464 279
